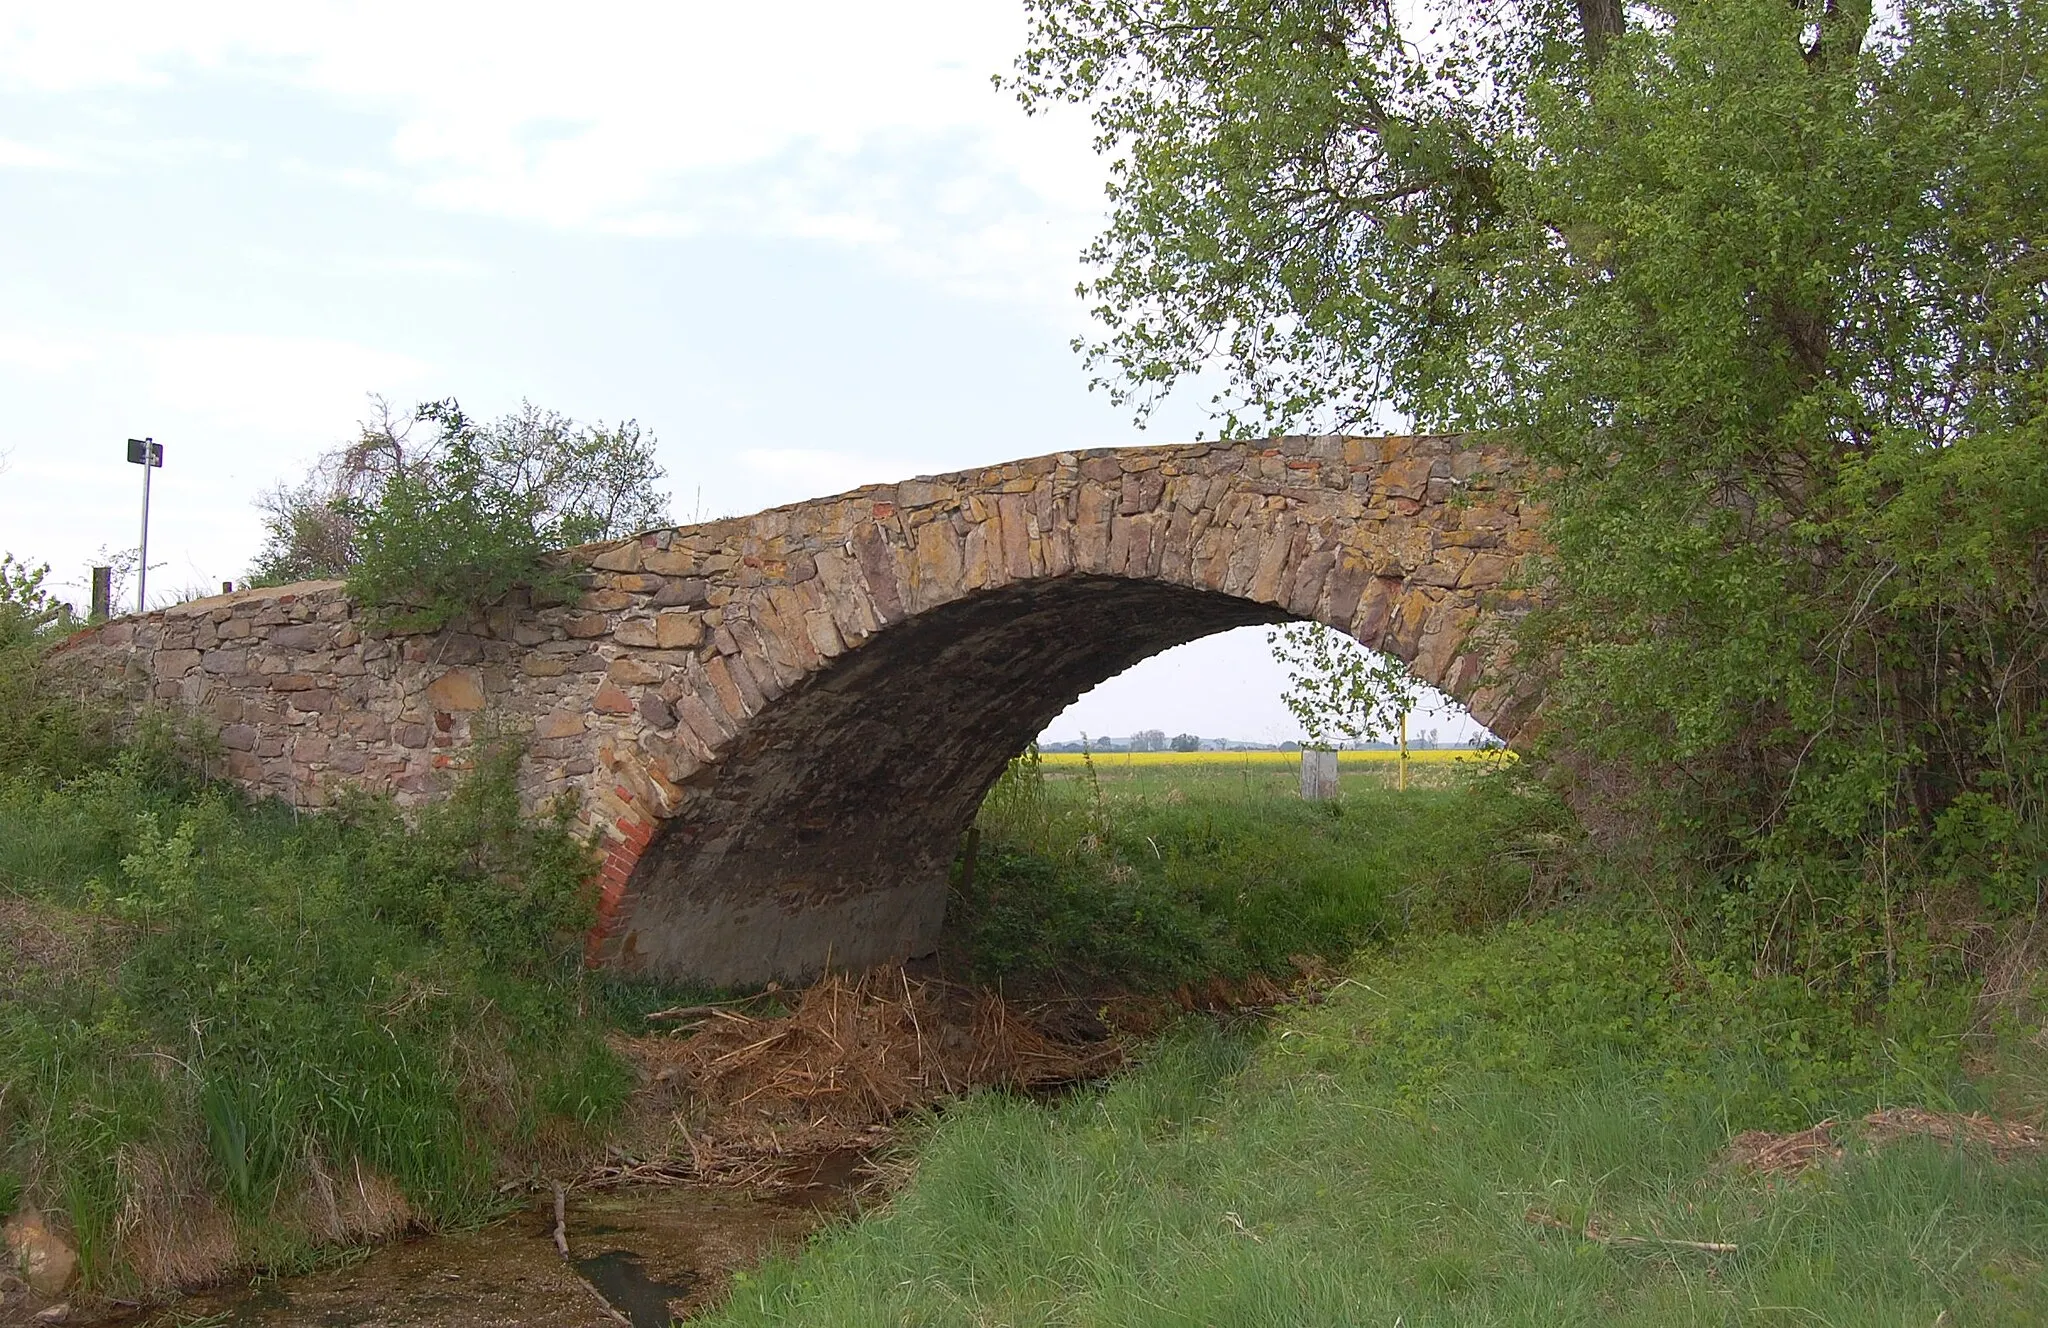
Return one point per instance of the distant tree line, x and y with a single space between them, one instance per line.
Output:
1155 740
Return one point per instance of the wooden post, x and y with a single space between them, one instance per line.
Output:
102 593
1403 784
970 850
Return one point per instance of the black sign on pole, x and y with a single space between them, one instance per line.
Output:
147 453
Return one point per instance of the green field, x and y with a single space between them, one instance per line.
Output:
1145 872
1275 773
1510 1109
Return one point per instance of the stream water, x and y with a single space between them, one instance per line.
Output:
650 1254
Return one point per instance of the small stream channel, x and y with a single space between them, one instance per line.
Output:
654 1253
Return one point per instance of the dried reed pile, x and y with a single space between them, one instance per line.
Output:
750 1092
1768 1154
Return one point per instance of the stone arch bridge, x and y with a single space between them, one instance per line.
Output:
780 724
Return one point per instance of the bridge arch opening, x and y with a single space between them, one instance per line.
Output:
826 834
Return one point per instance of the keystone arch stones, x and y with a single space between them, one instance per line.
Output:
780 724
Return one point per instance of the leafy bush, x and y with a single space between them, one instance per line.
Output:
428 530
39 730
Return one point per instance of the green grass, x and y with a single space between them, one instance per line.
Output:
1498 1074
1429 1145
237 995
1153 873
231 994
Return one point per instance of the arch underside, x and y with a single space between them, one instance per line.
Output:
826 834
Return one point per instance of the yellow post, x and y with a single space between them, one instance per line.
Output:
1403 785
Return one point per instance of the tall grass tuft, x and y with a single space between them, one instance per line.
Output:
250 998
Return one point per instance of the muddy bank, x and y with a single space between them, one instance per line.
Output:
752 1123
644 1254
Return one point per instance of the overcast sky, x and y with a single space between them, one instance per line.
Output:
808 245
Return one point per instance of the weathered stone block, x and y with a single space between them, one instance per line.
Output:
366 728
669 562
559 724
678 629
691 591
624 558
457 690
301 637
635 632
633 671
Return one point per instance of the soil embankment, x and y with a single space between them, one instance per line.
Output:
754 1121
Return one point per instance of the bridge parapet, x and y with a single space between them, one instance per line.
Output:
779 723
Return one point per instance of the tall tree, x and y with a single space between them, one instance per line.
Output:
1758 288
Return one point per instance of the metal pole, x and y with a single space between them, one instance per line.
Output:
142 561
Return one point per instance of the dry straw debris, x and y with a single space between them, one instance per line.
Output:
1764 1153
753 1092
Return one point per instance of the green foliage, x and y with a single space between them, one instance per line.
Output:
1755 287
427 530
1459 1133
1337 689
39 730
277 995
28 612
1540 1000
445 545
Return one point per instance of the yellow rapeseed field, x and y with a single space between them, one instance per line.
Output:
1436 756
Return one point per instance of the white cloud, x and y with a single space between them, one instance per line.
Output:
41 352
263 382
866 125
28 157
